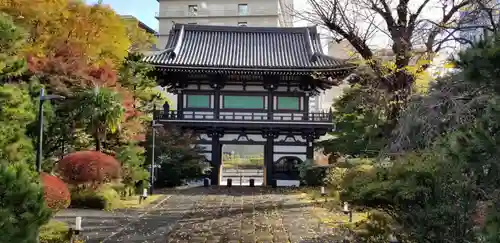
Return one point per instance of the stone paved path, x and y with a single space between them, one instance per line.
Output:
225 215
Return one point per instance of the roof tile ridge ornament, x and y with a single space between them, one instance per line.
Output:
309 44
240 29
173 51
179 41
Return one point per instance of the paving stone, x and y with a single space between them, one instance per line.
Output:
214 215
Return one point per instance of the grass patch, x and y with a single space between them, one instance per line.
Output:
328 208
54 232
313 194
133 201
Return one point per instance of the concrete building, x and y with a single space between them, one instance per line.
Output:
474 17
255 13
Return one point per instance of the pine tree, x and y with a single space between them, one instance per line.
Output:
22 205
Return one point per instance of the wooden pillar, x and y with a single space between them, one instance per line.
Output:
270 85
269 156
216 157
180 104
270 103
306 106
216 102
310 147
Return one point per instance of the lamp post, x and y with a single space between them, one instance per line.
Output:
152 165
39 148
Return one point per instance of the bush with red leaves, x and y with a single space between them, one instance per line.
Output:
88 167
56 192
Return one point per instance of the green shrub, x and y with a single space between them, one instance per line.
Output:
424 193
333 178
491 229
377 228
110 196
54 232
22 205
311 175
105 198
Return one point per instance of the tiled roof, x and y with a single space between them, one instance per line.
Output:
236 47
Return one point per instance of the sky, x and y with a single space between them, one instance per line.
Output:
145 10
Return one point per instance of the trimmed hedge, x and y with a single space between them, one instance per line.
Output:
56 193
104 198
88 167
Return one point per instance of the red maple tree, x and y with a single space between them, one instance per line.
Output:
88 167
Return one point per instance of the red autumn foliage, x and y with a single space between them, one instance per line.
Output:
56 192
88 167
104 75
66 68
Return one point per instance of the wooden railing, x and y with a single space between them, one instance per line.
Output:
244 116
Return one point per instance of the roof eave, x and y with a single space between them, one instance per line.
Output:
345 67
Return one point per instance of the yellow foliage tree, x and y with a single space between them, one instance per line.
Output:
97 29
140 39
389 68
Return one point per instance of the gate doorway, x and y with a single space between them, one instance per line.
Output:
240 163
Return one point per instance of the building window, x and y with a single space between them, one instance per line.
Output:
198 101
288 103
243 9
243 102
192 10
242 23
192 23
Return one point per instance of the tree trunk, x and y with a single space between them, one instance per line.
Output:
400 92
97 141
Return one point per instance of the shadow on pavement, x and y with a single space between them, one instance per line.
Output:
96 224
233 191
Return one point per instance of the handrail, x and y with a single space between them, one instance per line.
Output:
244 116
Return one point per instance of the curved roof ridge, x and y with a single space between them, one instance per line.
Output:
249 29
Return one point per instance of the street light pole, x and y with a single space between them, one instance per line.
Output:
40 132
153 147
39 147
152 169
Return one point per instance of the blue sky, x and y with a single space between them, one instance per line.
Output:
144 10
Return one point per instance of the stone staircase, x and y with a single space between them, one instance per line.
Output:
241 177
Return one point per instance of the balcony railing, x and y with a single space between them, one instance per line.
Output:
317 117
211 13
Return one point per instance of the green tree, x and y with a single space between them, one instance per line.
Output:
360 119
12 39
139 77
100 110
449 163
133 171
22 205
178 157
17 112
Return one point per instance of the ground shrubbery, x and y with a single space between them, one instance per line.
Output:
54 232
88 174
88 168
311 175
104 198
56 192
